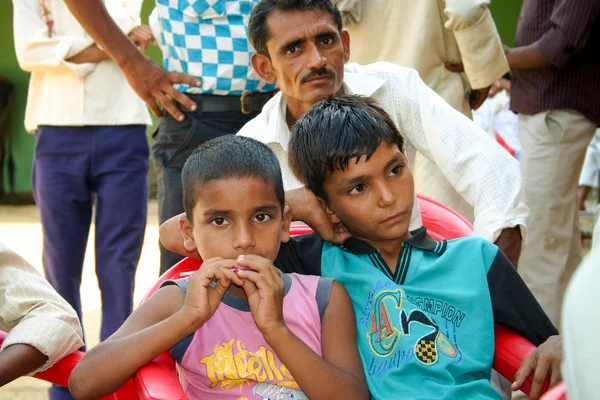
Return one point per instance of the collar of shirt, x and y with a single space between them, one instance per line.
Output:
273 115
419 239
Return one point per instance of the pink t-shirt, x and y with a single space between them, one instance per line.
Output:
228 357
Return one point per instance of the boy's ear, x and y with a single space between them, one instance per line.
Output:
287 221
185 227
262 66
333 218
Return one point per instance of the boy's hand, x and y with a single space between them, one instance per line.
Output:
544 361
202 299
264 288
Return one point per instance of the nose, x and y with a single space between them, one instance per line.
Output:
387 198
243 239
316 58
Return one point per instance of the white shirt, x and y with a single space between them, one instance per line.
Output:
33 313
66 94
480 170
425 34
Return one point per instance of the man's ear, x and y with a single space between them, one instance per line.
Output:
346 44
263 67
185 227
287 221
333 218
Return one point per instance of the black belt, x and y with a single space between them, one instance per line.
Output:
247 103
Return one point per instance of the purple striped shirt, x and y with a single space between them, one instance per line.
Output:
568 33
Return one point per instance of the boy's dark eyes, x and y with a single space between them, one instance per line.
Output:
358 188
219 221
262 217
396 170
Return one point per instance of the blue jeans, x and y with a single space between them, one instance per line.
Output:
75 167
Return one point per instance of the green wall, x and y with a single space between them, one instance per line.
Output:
505 12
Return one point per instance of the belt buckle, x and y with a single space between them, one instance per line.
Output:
245 94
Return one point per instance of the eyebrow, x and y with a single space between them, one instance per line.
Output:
361 178
216 212
320 35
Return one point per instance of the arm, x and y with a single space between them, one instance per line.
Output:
338 374
39 50
149 81
478 41
485 174
516 307
571 27
18 360
156 326
42 327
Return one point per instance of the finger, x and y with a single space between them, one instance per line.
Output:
151 103
180 98
539 377
185 79
555 375
526 369
169 106
254 262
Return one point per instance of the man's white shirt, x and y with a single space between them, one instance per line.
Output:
479 169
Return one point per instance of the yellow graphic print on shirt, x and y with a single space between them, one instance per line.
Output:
231 365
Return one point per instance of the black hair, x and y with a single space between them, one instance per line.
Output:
229 156
258 30
333 132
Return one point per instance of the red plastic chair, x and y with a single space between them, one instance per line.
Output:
558 392
442 223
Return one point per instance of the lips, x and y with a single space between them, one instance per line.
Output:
395 218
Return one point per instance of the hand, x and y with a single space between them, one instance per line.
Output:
498 86
478 96
142 36
454 67
202 300
152 84
307 208
264 288
544 361
509 242
582 193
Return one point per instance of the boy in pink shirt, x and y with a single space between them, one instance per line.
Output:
238 328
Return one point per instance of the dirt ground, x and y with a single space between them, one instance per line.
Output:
20 229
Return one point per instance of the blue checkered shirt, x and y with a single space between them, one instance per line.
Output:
209 39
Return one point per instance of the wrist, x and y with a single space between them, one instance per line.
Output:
275 334
186 322
127 59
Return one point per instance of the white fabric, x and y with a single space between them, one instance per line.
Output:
67 94
590 174
580 326
554 144
596 237
484 173
33 313
424 35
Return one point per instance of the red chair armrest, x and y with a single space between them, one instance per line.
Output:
510 350
558 392
158 380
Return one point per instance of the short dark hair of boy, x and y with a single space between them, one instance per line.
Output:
229 156
333 132
258 31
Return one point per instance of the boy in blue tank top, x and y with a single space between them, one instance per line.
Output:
425 310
